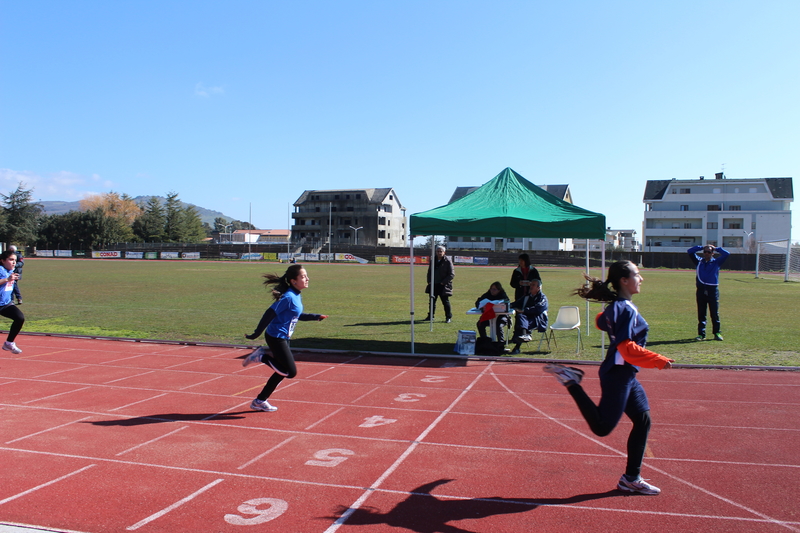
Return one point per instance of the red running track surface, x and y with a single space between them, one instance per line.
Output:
109 436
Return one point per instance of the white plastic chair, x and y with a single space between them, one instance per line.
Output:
569 318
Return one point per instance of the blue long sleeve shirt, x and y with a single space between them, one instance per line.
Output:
707 271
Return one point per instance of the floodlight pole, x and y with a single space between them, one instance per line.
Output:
356 231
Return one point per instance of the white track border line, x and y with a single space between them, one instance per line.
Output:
663 472
43 485
172 507
378 482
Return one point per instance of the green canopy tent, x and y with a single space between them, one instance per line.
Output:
506 206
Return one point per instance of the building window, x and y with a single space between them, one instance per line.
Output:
734 225
381 221
714 207
753 225
687 225
684 208
333 209
350 208
316 209
734 208
358 197
381 234
686 191
753 190
712 225
346 196
347 221
387 208
302 221
716 190
335 196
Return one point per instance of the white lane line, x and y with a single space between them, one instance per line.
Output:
201 383
378 482
257 457
56 395
150 441
321 420
49 429
59 372
43 485
172 507
140 401
128 377
364 395
663 472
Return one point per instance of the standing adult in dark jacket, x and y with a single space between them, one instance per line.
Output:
443 274
522 276
707 283
17 270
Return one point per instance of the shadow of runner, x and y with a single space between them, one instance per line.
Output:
171 417
423 512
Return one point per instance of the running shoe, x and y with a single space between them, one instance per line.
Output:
258 405
700 338
11 347
638 486
717 337
254 357
567 375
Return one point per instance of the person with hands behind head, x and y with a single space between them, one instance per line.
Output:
279 321
8 278
522 277
707 284
621 392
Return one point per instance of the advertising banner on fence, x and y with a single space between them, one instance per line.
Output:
134 255
151 255
44 253
462 259
252 256
382 259
63 253
106 254
79 253
170 255
190 255
350 258
480 260
229 255
407 259
270 256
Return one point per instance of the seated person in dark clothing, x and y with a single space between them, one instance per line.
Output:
495 294
531 315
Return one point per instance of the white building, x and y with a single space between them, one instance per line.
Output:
373 217
499 244
732 213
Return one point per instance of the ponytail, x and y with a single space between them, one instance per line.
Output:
282 283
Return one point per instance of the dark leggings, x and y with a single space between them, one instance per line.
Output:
280 359
13 312
620 395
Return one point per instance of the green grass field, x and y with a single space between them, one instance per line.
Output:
369 307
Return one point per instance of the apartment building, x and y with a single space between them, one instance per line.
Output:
734 213
371 217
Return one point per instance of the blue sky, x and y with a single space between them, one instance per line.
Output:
242 104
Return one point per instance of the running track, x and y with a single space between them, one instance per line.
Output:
111 436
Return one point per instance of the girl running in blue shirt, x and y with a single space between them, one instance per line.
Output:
621 391
279 321
8 260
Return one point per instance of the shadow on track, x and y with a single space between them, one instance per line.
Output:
422 512
171 417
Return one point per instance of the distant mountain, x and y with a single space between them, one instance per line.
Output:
59 208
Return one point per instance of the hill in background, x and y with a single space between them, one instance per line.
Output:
59 208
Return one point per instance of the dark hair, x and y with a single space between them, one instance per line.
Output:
8 253
526 258
282 282
598 289
498 285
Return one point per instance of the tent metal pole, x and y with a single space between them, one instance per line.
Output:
411 247
431 264
602 271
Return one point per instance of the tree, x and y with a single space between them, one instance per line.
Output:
151 223
173 230
113 205
191 225
20 216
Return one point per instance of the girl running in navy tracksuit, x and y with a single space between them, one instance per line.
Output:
8 260
279 321
621 391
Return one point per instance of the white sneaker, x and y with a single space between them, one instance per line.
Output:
567 375
638 485
254 357
258 405
11 347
